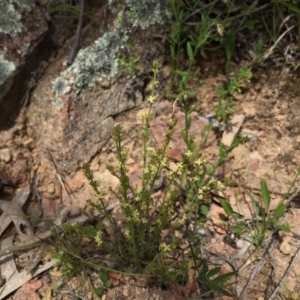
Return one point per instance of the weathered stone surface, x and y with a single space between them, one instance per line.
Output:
71 112
77 131
159 127
23 44
5 155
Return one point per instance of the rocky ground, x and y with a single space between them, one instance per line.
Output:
270 105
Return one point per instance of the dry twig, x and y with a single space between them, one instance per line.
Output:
274 294
257 268
76 47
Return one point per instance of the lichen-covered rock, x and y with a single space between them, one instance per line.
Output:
148 12
7 68
73 107
79 125
23 32
10 21
92 64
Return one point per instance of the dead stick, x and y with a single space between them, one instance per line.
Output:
285 275
76 47
59 177
231 262
257 267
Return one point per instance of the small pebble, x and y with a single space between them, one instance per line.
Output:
105 84
5 155
285 248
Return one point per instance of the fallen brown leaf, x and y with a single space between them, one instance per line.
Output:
114 277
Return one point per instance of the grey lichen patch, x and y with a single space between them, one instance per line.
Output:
92 64
100 61
97 62
6 69
113 6
148 12
10 19
60 86
27 4
57 103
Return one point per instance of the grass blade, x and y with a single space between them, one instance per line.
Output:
265 195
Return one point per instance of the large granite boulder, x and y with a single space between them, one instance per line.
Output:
24 42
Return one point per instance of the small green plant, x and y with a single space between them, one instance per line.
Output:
264 221
131 65
281 16
197 27
176 42
137 242
103 276
236 81
146 240
196 173
212 281
208 278
71 249
229 45
184 41
72 246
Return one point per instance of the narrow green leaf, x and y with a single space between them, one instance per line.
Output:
204 209
279 210
69 266
56 255
183 181
183 134
209 170
192 146
250 24
64 8
242 223
260 46
238 230
227 181
227 207
73 248
190 52
193 40
229 45
284 228
202 220
57 264
258 209
223 277
222 150
213 272
193 108
265 194
290 6
188 122
218 289
172 50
